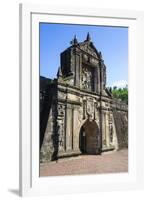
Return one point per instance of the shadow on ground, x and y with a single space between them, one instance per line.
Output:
14 191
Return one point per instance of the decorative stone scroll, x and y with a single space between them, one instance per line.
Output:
90 107
60 125
80 115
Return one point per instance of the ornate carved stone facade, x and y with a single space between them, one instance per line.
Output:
78 114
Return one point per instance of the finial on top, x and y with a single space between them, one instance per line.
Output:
74 41
88 38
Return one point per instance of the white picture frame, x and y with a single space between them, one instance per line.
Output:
30 182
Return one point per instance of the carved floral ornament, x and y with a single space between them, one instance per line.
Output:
61 109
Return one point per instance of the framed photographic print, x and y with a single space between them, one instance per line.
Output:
81 78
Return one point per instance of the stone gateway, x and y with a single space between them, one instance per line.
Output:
78 114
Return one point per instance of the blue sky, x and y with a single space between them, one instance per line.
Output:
111 41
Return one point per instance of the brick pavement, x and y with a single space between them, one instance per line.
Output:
110 162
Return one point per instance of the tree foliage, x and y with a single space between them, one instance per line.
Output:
120 93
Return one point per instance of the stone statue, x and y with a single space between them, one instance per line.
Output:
86 78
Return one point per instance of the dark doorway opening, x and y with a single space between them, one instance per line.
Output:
89 142
82 140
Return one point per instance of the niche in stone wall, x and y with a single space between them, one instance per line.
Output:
87 78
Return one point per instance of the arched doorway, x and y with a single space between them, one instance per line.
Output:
88 138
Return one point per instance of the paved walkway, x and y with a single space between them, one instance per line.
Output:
110 162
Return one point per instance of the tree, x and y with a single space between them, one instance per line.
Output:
120 93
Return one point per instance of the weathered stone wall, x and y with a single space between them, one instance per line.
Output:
120 114
48 123
121 124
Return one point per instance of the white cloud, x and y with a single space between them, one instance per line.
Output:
120 83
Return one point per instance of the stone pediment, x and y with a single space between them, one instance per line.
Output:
89 48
